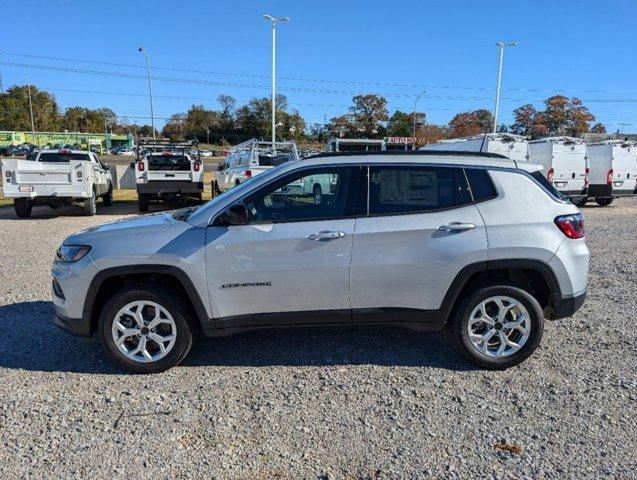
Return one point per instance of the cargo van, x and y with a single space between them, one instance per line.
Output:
515 147
565 163
613 170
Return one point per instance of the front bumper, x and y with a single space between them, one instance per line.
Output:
565 306
75 326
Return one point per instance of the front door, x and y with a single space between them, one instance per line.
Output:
422 229
290 264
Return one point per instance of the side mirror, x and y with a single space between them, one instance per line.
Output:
234 215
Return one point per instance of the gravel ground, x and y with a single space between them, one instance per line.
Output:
322 404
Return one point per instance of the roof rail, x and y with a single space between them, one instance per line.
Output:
443 153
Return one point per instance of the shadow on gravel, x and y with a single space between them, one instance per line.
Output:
29 340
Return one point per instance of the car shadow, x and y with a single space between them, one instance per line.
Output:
29 340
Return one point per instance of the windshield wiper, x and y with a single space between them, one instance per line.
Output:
183 213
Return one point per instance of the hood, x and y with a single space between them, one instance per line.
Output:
140 225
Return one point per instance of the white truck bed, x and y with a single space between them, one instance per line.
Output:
29 179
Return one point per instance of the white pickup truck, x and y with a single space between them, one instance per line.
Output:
249 159
56 178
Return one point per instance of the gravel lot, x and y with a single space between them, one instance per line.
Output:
326 404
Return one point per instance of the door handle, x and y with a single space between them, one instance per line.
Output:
456 227
325 235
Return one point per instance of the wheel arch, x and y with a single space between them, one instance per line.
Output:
533 275
108 281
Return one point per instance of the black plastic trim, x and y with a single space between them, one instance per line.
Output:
434 153
601 191
150 269
170 186
74 326
567 305
319 317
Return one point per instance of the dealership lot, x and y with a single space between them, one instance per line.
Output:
372 403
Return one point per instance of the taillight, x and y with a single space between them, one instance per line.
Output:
571 225
549 175
248 173
79 175
586 172
196 166
140 166
609 177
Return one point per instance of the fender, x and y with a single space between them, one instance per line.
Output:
179 274
465 274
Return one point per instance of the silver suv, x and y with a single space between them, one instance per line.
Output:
475 243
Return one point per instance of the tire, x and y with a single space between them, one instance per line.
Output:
108 197
22 207
142 202
581 203
90 205
317 193
215 189
604 202
510 356
176 322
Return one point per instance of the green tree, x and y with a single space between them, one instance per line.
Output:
15 113
367 113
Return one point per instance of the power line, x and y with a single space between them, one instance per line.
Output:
316 80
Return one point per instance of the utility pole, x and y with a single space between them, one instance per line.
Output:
150 90
274 21
415 103
31 108
501 46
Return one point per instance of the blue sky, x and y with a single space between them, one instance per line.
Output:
328 52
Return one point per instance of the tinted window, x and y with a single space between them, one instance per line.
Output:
541 179
415 189
168 162
481 184
321 194
57 157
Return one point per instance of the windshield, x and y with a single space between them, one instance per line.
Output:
168 162
57 157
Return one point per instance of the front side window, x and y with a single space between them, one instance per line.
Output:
320 194
413 189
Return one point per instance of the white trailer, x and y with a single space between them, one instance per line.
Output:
511 146
613 170
565 162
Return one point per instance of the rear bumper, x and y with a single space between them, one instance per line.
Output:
169 187
575 195
565 306
601 191
75 326
45 191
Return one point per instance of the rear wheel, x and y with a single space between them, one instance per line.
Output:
145 328
90 204
497 327
581 203
142 201
604 202
108 197
22 207
215 189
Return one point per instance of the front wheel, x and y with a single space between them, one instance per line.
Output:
581 203
497 327
143 329
22 207
108 197
90 205
604 202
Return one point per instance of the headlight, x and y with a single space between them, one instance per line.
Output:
71 253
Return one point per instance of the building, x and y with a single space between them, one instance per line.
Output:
104 141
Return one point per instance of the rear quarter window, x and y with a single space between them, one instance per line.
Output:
548 186
482 187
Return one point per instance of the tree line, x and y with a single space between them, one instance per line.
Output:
367 117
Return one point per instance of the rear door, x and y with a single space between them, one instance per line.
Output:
422 229
291 264
569 160
624 168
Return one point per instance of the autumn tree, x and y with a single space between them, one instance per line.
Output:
15 112
525 117
174 128
341 126
429 134
367 113
401 124
598 128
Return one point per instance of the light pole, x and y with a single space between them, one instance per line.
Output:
150 90
274 21
501 46
415 103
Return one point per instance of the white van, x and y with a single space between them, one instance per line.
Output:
565 163
613 170
515 147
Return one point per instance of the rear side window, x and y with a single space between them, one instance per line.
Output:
395 190
541 179
481 184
